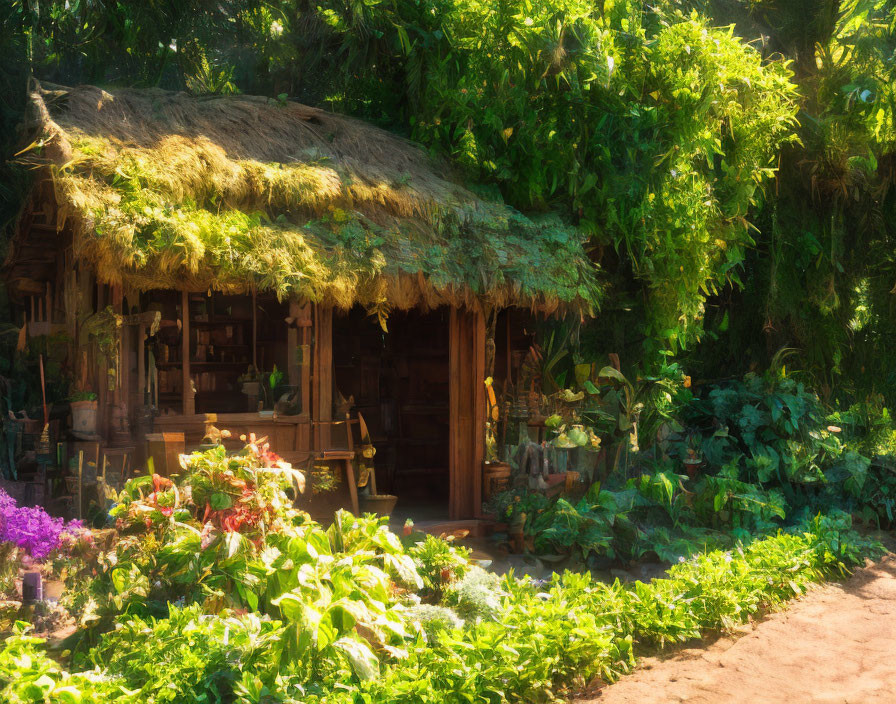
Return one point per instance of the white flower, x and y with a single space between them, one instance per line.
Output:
276 28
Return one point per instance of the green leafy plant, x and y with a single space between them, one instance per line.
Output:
82 396
439 562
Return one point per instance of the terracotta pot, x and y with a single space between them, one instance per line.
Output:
495 479
380 504
693 467
83 418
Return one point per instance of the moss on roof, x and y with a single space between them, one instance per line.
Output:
164 190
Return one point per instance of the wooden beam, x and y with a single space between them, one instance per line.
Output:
189 402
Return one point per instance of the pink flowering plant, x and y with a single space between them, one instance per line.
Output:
32 530
31 535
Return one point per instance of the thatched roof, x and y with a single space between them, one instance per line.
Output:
165 190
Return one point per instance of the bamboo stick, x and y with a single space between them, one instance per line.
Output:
80 476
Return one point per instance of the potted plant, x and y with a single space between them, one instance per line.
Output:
273 380
83 406
693 463
380 504
251 386
693 460
495 473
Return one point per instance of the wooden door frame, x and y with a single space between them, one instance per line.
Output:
467 410
466 441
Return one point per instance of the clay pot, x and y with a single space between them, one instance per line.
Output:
380 504
495 479
83 418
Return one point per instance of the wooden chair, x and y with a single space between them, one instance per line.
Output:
345 455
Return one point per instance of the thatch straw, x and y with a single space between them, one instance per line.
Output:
164 190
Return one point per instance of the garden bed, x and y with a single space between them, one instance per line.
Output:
217 588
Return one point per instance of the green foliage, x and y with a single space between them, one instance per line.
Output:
433 620
477 595
186 656
224 535
766 429
343 633
439 562
29 676
821 274
654 129
645 124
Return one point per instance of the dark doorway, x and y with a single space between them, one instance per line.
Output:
398 380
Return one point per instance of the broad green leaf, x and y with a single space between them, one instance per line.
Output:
361 658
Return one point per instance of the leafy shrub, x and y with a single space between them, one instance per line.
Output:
187 656
433 620
29 676
439 562
476 596
224 535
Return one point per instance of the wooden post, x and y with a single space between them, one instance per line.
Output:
189 402
141 365
293 333
322 405
254 329
120 395
304 436
298 348
467 412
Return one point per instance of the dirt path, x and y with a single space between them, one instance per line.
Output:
838 644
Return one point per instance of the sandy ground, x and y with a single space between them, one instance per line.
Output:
837 644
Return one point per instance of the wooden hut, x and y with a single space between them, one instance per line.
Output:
208 234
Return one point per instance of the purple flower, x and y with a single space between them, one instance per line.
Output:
31 529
